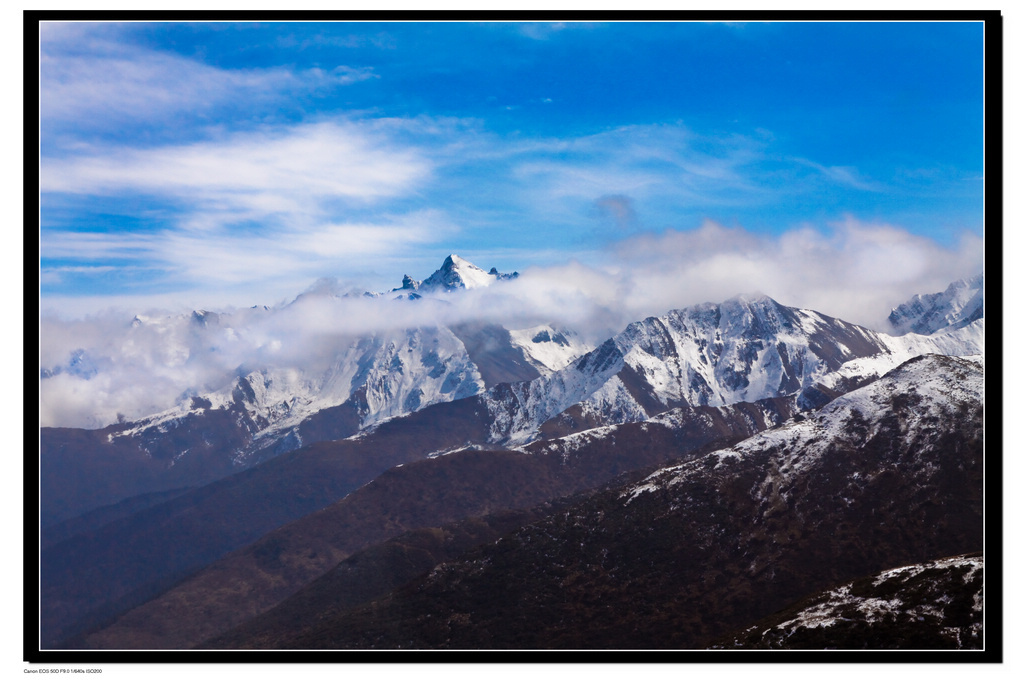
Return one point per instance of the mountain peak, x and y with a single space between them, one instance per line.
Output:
455 259
755 297
961 303
458 273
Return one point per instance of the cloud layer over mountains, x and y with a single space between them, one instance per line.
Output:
102 366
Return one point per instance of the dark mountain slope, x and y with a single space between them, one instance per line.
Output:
102 516
373 573
424 493
83 469
887 475
88 578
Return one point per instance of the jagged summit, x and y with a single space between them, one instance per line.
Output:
503 275
455 273
960 304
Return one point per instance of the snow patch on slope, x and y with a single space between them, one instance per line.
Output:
938 382
549 349
966 342
835 606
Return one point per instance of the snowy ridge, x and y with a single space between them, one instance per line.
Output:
967 341
753 417
388 375
937 386
960 304
742 350
745 349
384 375
876 609
517 410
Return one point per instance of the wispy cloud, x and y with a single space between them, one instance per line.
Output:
210 267
541 31
272 170
844 175
647 159
283 204
381 40
90 78
292 203
291 254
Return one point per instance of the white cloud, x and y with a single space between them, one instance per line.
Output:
88 246
271 170
223 267
277 204
856 271
292 253
90 75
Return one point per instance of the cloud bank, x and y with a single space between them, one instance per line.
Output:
102 366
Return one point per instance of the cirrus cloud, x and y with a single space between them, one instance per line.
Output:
91 76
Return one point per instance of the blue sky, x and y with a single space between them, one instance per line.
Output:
219 164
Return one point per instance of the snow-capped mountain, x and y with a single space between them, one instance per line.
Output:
457 273
375 377
962 341
888 475
476 392
365 380
959 305
533 382
745 349
349 383
907 405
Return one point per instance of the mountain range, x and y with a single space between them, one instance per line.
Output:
665 488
